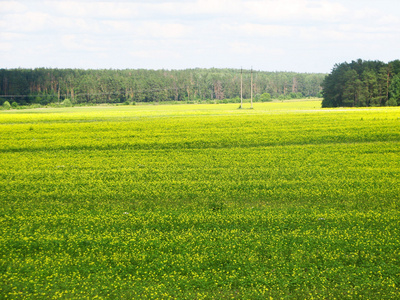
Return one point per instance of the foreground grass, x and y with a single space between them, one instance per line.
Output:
200 201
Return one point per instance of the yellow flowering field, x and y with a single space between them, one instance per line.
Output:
286 200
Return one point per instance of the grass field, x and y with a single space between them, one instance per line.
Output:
286 200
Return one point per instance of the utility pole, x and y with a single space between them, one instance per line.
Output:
241 88
251 87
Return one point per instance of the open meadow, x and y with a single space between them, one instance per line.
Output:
286 200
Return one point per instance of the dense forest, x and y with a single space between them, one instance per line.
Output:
46 86
362 83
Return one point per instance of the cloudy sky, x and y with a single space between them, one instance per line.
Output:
269 35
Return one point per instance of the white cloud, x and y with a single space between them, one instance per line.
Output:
5 46
201 33
294 10
365 13
215 7
372 30
390 20
9 36
235 9
154 54
96 9
260 30
81 43
348 33
148 29
245 48
256 49
7 7
25 22
325 10
159 30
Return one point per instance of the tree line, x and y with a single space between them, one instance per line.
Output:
44 86
362 83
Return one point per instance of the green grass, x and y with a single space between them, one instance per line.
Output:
286 200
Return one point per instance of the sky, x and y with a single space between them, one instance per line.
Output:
269 35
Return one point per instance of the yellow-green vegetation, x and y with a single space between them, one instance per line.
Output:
286 200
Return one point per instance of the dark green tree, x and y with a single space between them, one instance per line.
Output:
361 83
394 91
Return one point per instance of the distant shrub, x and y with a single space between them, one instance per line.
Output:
67 103
44 101
6 105
281 98
266 97
234 100
14 105
125 103
133 103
